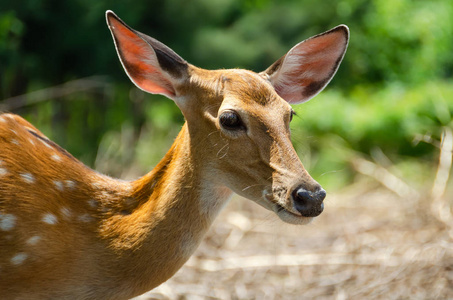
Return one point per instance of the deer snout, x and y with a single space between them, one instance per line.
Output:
309 203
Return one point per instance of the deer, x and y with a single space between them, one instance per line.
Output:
69 232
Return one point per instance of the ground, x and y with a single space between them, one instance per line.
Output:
369 243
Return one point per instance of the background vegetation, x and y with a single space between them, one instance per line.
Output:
392 94
379 138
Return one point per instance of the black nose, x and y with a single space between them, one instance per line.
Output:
309 204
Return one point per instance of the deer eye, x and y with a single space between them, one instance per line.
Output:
230 120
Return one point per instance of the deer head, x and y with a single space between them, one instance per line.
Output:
239 120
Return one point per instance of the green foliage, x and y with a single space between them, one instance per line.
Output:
393 86
392 120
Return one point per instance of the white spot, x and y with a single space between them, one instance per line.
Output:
45 143
19 258
7 222
70 184
2 170
58 185
27 177
66 212
105 194
14 141
96 185
56 157
93 203
128 188
2 120
85 218
49 219
33 240
31 142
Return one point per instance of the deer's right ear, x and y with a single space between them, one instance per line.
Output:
151 65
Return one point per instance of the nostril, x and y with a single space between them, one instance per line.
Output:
321 194
309 204
302 194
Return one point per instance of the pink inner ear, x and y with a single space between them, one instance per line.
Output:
309 66
318 56
139 60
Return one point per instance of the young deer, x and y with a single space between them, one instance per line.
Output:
67 232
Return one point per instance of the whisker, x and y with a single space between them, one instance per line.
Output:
226 152
253 185
212 133
329 172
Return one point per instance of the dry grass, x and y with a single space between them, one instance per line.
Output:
368 244
377 239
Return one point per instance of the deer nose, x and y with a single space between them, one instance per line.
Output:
308 203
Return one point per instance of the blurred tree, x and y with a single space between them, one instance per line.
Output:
394 83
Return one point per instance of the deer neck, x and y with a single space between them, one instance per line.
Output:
174 206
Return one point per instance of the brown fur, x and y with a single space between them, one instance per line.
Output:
68 232
133 241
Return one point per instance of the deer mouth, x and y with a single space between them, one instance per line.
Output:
286 214
290 217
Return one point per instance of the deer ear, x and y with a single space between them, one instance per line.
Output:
151 66
309 66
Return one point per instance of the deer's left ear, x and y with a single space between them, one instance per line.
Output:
309 66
